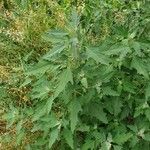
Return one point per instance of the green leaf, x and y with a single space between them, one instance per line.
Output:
109 91
122 138
11 116
84 82
96 110
139 65
49 104
74 109
97 56
99 136
147 137
19 126
83 128
106 73
41 68
53 137
55 36
147 91
118 49
121 30
89 144
75 49
133 128
26 82
20 137
26 58
133 141
116 147
105 145
39 112
64 78
147 113
128 86
136 46
45 123
74 19
117 105
56 50
41 88
68 137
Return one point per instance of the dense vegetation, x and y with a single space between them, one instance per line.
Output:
75 74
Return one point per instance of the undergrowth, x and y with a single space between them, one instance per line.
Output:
74 74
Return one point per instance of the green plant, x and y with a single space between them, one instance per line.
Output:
90 90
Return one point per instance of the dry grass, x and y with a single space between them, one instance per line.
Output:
4 73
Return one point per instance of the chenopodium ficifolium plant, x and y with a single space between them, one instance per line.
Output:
91 96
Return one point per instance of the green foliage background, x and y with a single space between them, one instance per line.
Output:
75 74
